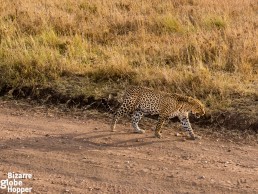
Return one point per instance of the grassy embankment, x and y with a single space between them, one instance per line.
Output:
207 49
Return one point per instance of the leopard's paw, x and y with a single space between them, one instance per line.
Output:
141 131
158 135
195 137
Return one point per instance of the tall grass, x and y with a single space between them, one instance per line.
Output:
202 48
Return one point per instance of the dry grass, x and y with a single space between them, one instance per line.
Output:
201 48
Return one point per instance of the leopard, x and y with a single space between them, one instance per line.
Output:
139 101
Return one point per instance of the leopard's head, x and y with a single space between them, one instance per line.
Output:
198 108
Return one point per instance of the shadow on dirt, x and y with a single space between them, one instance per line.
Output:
72 142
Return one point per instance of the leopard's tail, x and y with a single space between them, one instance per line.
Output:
106 105
111 103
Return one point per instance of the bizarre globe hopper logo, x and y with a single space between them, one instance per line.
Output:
14 183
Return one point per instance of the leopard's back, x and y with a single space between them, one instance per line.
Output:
144 99
151 101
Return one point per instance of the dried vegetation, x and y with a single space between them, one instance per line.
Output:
206 49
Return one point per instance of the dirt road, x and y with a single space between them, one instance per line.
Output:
67 153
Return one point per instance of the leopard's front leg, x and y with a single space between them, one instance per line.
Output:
187 126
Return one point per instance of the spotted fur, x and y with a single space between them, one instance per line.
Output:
140 101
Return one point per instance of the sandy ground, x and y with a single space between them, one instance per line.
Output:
66 153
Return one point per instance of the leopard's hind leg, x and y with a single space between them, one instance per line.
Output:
119 113
158 130
122 111
137 115
128 106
